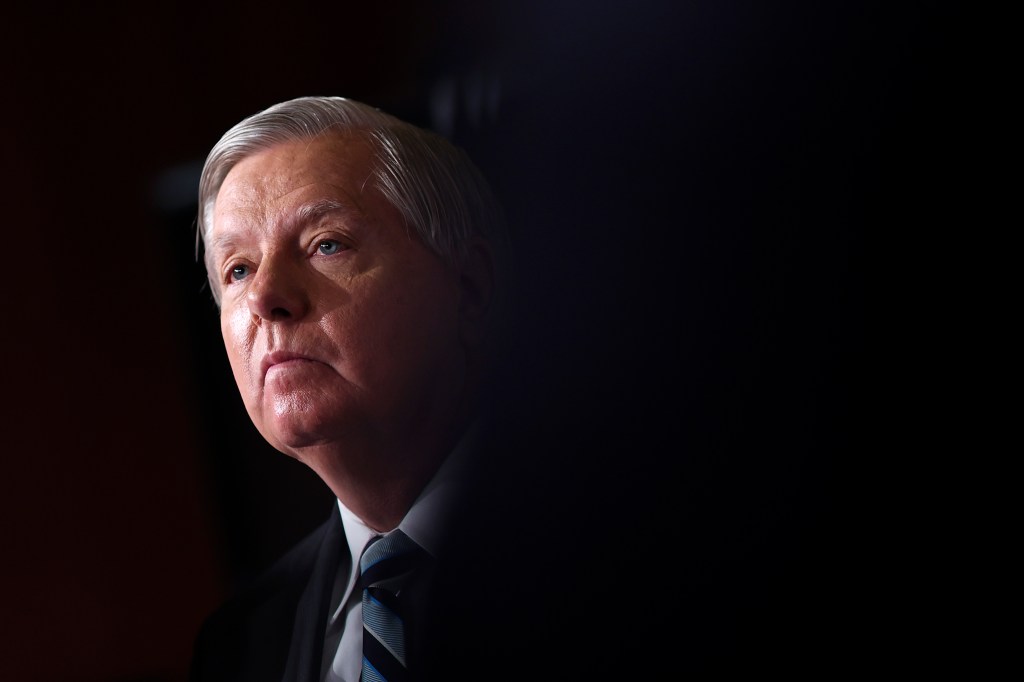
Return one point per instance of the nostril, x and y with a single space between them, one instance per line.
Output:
279 313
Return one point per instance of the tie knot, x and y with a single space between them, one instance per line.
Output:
388 558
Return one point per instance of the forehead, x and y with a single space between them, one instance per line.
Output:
287 174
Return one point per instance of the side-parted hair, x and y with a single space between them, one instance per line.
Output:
432 183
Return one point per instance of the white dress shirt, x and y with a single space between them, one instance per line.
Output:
423 523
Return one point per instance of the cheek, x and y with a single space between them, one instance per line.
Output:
420 330
381 333
236 328
420 313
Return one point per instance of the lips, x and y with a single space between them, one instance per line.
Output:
281 357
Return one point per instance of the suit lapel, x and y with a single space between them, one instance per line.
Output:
306 653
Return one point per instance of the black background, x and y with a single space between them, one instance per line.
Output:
707 200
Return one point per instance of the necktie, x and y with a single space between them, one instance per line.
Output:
386 563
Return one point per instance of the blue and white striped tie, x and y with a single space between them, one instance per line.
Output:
387 562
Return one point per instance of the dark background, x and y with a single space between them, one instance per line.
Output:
705 199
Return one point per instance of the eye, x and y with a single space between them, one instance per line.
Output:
239 272
328 247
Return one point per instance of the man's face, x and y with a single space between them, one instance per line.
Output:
340 325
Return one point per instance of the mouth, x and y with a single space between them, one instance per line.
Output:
280 358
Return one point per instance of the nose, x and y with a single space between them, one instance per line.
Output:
278 292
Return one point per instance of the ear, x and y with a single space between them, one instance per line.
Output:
476 287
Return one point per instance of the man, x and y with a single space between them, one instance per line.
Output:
356 260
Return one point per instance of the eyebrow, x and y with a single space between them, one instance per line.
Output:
308 213
305 214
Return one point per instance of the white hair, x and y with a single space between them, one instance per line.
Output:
432 183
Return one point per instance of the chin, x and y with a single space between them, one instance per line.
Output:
291 428
290 437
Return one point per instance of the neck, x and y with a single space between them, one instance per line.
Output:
379 482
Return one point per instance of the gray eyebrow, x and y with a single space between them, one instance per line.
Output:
306 213
310 212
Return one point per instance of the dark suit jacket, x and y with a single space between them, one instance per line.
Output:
561 569
514 597
274 629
